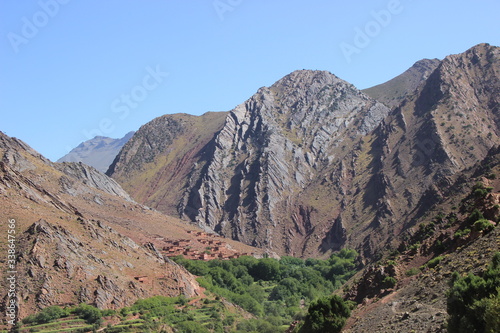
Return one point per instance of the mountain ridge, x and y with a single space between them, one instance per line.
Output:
392 92
81 239
294 157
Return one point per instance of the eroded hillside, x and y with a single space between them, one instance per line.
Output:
311 164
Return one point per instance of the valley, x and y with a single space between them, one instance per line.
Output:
309 196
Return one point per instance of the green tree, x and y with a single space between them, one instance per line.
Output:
257 292
89 313
473 300
327 314
248 303
48 314
492 313
267 269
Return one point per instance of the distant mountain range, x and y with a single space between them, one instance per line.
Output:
98 152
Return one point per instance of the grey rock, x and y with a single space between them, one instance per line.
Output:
270 148
90 177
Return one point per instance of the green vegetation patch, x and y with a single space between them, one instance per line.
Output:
474 301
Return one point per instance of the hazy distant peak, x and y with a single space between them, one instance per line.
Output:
98 152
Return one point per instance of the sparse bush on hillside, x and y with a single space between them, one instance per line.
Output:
474 301
461 233
480 191
414 247
475 216
483 225
427 229
389 282
412 271
434 262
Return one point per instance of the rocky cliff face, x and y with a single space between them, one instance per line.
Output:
89 177
446 126
311 164
78 238
98 152
154 165
271 148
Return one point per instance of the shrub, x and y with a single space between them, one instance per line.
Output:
461 233
475 216
48 314
412 271
389 282
480 191
434 262
414 247
483 225
89 313
473 303
391 263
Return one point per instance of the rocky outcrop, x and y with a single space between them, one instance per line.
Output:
446 126
90 177
270 149
92 264
154 165
311 164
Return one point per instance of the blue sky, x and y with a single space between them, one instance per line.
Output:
71 69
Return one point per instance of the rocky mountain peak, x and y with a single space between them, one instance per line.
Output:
311 164
271 146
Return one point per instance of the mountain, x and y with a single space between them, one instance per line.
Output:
247 171
98 152
392 92
79 237
154 165
311 164
446 243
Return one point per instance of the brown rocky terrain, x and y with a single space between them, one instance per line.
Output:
427 258
246 178
154 165
304 167
311 164
80 238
